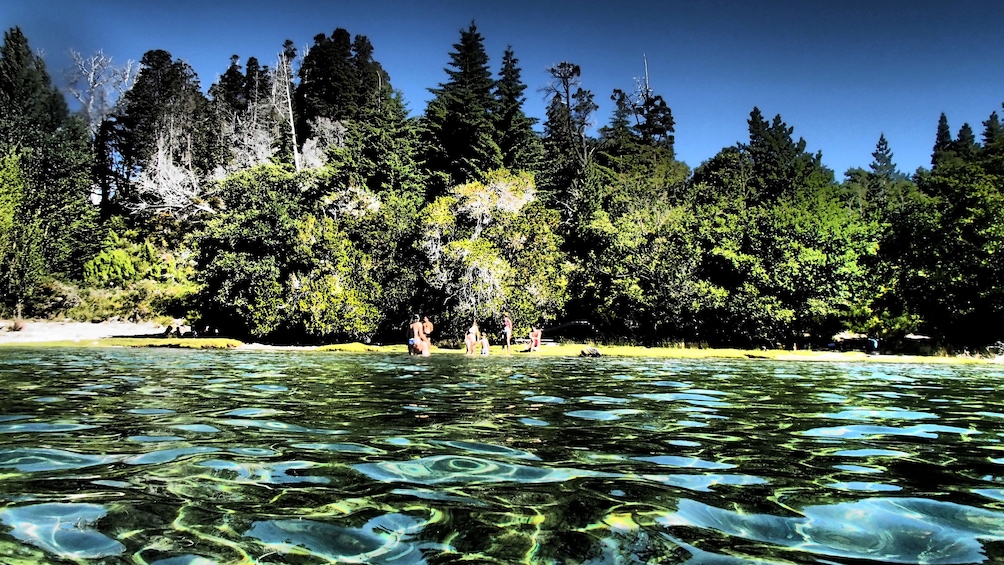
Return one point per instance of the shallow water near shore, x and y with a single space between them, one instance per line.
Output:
192 457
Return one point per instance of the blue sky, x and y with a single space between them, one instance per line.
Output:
840 73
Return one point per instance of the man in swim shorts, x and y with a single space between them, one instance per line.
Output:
416 339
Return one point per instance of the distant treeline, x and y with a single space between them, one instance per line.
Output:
297 201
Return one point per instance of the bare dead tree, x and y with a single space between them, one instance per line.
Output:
251 143
168 187
327 134
97 84
282 96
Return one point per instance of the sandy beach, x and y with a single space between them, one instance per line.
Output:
36 331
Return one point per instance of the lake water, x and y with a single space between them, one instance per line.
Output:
188 457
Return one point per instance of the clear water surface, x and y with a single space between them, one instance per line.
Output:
188 458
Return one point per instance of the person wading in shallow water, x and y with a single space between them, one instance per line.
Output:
417 343
427 328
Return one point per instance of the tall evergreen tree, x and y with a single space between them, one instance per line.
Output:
992 153
882 166
942 141
569 181
229 91
884 180
246 120
780 164
992 130
28 101
372 82
164 103
51 151
965 146
618 137
328 82
459 122
521 147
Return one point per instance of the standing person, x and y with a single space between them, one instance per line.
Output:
471 339
507 331
416 338
427 328
485 346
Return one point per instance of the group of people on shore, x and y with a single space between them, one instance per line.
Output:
475 342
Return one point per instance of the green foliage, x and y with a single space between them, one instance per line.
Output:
780 271
278 266
398 215
950 254
123 260
780 165
639 277
784 258
491 248
54 159
336 296
22 265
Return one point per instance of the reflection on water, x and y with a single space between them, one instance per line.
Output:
191 458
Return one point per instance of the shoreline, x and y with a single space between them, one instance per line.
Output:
40 331
48 333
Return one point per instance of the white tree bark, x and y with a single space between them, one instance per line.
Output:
168 187
282 96
98 84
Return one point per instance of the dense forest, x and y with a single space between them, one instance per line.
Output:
296 200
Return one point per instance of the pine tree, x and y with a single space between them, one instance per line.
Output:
520 146
27 98
781 166
887 187
992 153
165 102
618 137
246 122
992 130
965 146
228 93
328 82
53 155
460 133
942 141
882 167
372 82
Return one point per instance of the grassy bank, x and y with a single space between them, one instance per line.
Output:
550 350
575 350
